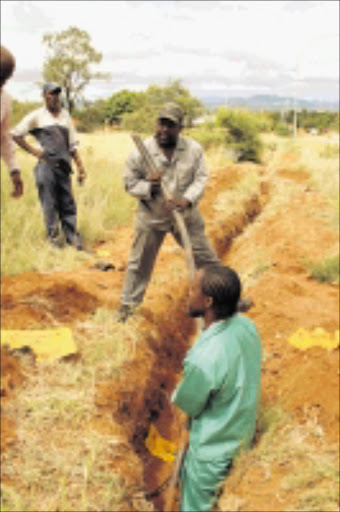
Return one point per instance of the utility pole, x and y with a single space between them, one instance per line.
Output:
294 118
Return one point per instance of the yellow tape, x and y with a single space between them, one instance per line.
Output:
47 344
160 447
304 339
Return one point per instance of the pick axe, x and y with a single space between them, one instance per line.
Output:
151 168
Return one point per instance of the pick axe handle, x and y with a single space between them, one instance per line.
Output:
151 168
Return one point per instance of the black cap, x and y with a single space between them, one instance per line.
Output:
51 87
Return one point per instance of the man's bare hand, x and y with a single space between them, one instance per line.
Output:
81 175
155 177
18 186
178 204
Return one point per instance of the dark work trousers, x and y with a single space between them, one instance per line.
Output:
146 244
54 187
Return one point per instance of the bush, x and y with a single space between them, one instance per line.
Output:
326 270
242 133
90 117
20 109
208 136
140 121
283 129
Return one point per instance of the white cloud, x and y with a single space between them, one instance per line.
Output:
231 45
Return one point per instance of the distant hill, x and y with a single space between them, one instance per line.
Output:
269 102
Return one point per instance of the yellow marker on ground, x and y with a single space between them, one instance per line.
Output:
160 447
47 344
103 253
319 337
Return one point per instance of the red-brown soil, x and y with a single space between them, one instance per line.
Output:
304 383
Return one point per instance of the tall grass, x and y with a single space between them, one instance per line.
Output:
65 462
101 202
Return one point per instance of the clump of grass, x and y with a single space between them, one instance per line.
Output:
312 471
234 198
329 151
325 271
65 463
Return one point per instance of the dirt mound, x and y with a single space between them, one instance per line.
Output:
11 379
51 303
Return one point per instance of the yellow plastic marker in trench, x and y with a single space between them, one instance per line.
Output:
319 337
160 447
47 344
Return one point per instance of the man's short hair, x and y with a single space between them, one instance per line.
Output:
7 64
223 285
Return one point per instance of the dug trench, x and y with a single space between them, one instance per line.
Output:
139 395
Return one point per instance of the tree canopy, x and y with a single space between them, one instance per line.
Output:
69 58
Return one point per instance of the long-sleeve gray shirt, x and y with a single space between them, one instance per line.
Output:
185 175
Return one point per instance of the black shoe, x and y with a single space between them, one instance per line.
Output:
76 242
124 312
244 305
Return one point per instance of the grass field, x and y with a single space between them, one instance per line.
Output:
103 204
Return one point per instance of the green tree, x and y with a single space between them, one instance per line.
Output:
143 117
69 58
242 133
123 102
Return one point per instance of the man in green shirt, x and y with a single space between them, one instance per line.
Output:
220 390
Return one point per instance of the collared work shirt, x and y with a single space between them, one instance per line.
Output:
220 390
185 175
56 134
7 143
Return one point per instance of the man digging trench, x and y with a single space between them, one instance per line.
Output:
220 390
183 172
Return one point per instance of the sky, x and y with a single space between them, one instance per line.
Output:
216 48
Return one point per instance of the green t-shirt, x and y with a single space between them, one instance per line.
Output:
220 390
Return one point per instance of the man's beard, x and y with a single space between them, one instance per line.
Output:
166 141
196 312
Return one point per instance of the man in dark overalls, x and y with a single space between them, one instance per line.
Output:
52 126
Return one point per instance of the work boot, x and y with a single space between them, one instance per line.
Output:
244 305
125 311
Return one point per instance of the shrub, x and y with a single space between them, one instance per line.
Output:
242 133
283 129
208 136
326 270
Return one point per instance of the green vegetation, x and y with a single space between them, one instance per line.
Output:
242 133
21 109
326 270
69 59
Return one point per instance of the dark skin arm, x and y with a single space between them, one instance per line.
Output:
18 186
21 141
81 174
